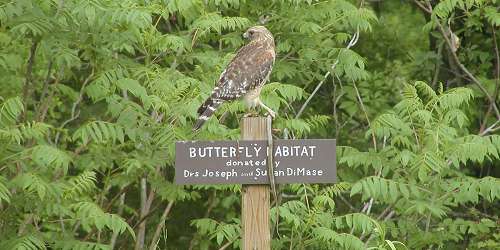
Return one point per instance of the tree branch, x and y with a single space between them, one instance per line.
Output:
374 139
497 62
226 245
159 227
110 203
146 202
139 243
491 128
457 60
120 211
211 205
467 72
29 78
74 113
44 103
352 42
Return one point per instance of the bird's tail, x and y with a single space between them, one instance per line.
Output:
205 111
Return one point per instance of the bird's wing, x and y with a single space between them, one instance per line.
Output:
249 69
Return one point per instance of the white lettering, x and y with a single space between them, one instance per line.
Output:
300 171
247 152
257 150
209 151
188 173
277 152
192 152
217 151
304 152
312 150
286 152
257 172
200 154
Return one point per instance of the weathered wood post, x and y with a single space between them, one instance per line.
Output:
255 198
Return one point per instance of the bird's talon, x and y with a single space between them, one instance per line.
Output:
251 114
272 114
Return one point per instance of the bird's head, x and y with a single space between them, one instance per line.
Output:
257 33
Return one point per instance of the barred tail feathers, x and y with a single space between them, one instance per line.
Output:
205 111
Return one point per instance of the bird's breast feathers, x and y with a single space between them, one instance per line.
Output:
252 97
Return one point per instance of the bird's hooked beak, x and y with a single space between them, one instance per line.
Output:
248 34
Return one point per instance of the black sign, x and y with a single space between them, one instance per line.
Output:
245 162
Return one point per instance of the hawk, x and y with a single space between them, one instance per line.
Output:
244 76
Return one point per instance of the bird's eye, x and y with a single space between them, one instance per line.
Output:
250 32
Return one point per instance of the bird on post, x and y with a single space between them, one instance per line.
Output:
244 76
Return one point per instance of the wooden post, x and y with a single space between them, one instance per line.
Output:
255 198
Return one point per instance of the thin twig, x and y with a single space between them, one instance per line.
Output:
45 107
226 245
335 101
435 78
421 6
457 60
306 198
29 78
468 73
387 209
145 211
139 244
497 59
352 42
45 88
374 139
140 220
74 113
497 85
211 204
61 221
428 223
159 227
270 170
347 203
28 220
120 211
118 195
385 219
490 129
368 206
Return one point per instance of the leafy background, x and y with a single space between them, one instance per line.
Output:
95 92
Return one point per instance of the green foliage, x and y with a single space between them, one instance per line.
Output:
27 242
100 132
95 94
91 215
4 192
422 153
333 239
9 111
218 231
